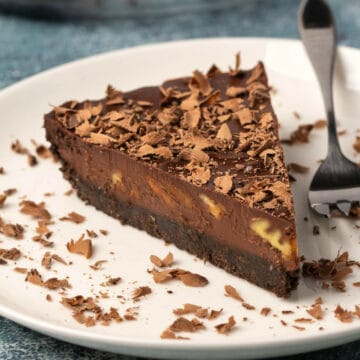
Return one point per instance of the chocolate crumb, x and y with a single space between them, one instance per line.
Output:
32 161
265 311
43 152
316 230
48 297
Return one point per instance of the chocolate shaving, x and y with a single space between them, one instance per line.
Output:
3 198
248 306
81 246
141 292
42 228
34 277
304 320
233 293
188 278
47 260
316 311
10 254
15 231
236 71
343 315
111 281
225 328
82 306
224 133
182 324
98 265
42 241
214 314
300 328
192 309
74 217
168 334
223 183
202 83
165 262
335 270
55 284
37 211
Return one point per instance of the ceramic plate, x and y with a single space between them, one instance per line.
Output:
127 250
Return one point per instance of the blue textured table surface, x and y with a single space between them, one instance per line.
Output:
29 46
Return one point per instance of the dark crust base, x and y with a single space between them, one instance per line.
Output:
239 263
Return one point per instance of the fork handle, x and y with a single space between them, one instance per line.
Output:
317 30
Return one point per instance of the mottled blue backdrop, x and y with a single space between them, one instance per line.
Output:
28 46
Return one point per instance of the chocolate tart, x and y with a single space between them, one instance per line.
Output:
196 161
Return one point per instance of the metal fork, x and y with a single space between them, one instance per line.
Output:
337 181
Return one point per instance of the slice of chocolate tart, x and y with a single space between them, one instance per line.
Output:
196 162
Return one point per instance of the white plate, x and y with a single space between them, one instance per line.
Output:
21 109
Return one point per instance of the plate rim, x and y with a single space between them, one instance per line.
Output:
320 341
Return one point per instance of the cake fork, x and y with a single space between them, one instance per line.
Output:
336 184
